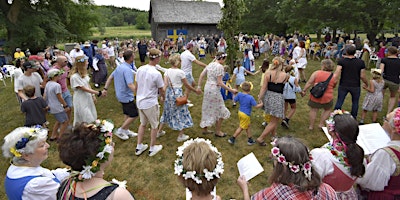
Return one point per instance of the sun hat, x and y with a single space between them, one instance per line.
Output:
376 71
87 44
77 46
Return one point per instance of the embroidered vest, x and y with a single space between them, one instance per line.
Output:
15 187
338 180
392 190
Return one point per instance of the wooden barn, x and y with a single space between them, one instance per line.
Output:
169 18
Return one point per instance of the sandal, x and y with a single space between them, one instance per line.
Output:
52 139
223 135
261 143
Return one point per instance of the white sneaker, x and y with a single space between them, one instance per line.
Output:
190 105
130 133
161 133
140 151
156 149
121 134
182 138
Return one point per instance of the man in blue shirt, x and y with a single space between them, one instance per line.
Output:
124 89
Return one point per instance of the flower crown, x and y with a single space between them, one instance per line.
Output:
330 122
30 135
82 59
153 55
221 56
306 167
219 168
93 163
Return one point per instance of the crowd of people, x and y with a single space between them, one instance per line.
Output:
329 172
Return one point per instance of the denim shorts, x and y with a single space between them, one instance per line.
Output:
67 98
61 116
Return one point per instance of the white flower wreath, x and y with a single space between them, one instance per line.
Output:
196 176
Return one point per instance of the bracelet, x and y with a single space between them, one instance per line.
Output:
99 93
66 106
105 89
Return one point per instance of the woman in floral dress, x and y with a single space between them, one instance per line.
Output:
213 108
176 117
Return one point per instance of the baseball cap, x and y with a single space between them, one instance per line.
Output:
30 65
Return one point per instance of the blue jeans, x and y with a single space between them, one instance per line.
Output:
355 97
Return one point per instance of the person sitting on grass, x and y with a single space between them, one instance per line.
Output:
58 107
293 176
88 150
199 167
246 102
34 108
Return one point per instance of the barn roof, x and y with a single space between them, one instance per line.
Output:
187 12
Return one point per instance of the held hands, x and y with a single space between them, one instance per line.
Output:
234 91
303 93
104 93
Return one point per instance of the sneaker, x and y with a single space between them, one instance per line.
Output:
161 133
121 134
182 138
285 123
190 105
140 151
156 149
130 133
96 85
264 124
234 104
250 141
231 140
361 122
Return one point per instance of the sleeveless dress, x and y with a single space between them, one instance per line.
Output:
101 195
274 104
374 101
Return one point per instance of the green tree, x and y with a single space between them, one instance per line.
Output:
142 21
36 24
229 24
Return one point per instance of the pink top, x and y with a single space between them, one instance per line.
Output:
381 52
63 78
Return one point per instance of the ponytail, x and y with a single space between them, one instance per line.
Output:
355 156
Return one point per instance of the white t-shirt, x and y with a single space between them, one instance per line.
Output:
149 80
110 51
75 54
187 58
176 76
35 80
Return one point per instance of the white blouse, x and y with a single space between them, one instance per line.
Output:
44 187
378 171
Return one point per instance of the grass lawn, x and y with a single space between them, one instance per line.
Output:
121 32
153 177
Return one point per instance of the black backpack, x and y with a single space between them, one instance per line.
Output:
319 89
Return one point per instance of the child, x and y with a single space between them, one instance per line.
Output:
289 94
374 98
246 102
238 73
58 106
226 79
264 68
34 108
317 52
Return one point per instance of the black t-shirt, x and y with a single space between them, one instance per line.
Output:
351 71
391 71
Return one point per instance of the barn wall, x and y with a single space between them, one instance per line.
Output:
159 31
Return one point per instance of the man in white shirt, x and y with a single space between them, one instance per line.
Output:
149 84
77 51
30 77
187 58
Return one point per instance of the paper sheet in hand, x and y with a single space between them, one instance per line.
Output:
371 137
249 167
